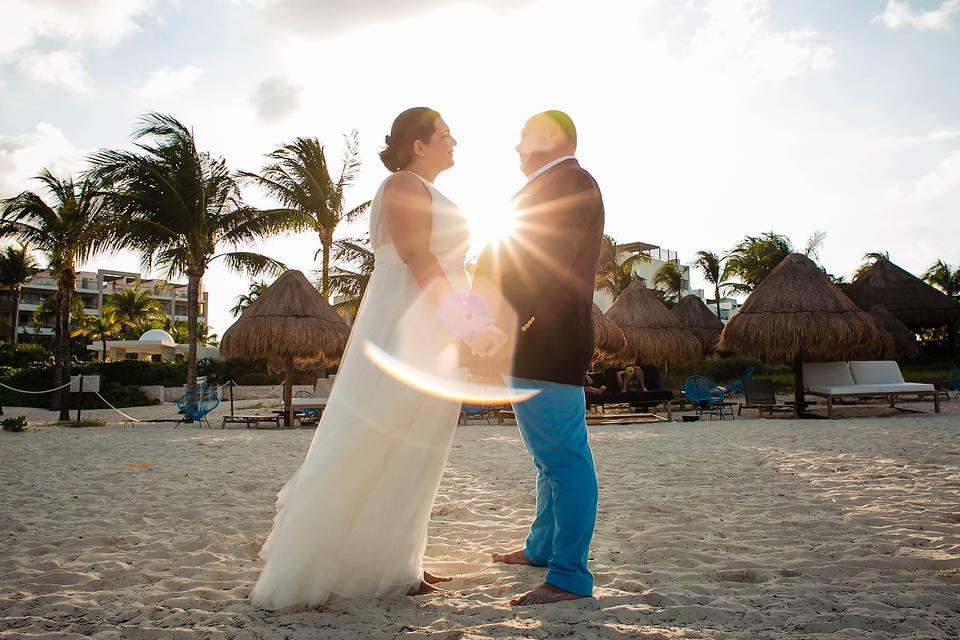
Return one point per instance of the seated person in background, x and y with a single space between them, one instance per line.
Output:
591 390
631 379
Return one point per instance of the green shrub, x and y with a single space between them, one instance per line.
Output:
23 354
81 423
15 424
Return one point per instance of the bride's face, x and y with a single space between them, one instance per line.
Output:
438 151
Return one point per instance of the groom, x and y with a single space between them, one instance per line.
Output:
546 272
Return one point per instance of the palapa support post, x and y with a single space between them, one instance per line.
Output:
288 391
799 397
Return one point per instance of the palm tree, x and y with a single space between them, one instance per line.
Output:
711 264
17 267
134 307
299 178
669 279
944 277
181 206
868 260
180 333
755 257
74 228
351 274
614 277
243 301
102 327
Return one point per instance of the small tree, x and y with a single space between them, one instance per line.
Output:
299 179
17 267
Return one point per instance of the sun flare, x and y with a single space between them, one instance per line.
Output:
491 225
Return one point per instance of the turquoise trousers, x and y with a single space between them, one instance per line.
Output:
554 431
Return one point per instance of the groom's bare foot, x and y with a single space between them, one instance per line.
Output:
514 557
544 594
424 589
430 578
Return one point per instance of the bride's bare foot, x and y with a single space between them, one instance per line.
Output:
424 589
514 557
430 578
544 594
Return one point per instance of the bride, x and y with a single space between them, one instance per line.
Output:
352 520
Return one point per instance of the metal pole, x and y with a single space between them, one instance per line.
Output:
79 396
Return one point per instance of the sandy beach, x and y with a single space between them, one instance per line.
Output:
748 529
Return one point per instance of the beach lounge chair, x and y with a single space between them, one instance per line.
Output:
476 412
642 401
196 402
705 395
953 382
315 400
759 394
867 379
735 386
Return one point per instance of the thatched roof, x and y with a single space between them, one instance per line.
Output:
914 302
699 320
904 341
290 318
654 335
797 310
609 341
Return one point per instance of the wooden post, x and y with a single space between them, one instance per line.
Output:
79 396
288 392
799 397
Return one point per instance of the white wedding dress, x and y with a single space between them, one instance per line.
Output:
352 520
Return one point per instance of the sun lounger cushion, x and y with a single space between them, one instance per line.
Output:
879 389
876 372
827 374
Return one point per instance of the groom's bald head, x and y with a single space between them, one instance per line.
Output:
545 137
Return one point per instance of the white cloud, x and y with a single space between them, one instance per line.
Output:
945 178
899 14
23 156
737 40
276 98
945 134
63 69
165 82
77 22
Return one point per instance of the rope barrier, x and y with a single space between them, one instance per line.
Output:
269 393
128 417
25 391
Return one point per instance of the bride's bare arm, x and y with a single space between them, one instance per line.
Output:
407 214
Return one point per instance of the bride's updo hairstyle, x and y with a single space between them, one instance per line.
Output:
411 125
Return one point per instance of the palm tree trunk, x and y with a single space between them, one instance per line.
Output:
15 294
57 371
716 295
103 339
326 242
67 282
194 274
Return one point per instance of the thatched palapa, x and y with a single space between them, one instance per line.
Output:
904 341
797 310
911 300
797 314
609 341
699 320
290 321
653 334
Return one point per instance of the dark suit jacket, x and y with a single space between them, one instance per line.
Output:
546 271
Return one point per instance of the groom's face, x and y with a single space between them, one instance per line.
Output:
539 143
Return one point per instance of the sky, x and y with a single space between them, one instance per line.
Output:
702 120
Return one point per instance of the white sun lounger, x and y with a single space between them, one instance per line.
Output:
833 380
